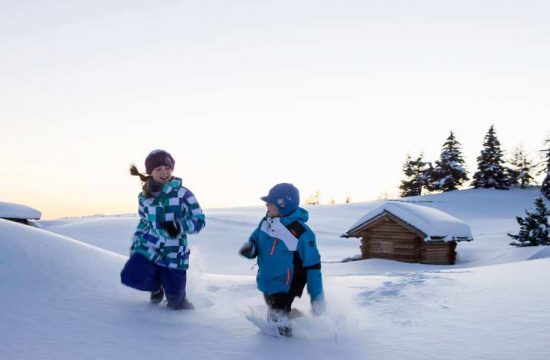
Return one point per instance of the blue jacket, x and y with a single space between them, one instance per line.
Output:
286 263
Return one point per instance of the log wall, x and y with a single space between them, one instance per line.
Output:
387 239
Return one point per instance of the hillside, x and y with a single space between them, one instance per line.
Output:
62 297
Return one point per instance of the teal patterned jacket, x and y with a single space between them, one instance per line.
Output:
175 203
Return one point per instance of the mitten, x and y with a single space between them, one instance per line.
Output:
248 250
173 228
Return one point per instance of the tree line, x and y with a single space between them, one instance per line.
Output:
449 171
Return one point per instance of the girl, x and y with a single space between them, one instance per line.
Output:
159 254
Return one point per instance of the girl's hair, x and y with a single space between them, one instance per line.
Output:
144 178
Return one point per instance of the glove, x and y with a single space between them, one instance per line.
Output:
318 306
248 250
173 228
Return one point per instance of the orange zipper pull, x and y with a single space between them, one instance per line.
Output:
273 247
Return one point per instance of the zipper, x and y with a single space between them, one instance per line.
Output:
287 276
273 247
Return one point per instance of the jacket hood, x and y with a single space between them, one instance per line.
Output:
298 214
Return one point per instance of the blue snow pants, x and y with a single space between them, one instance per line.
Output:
142 274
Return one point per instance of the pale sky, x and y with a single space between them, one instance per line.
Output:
328 95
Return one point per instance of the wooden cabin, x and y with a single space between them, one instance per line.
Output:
19 213
407 232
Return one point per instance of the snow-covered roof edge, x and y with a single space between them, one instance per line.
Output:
18 211
436 224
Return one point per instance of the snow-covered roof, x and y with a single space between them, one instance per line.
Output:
18 211
435 224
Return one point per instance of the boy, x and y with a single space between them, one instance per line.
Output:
288 257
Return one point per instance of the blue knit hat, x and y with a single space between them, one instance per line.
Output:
284 196
158 158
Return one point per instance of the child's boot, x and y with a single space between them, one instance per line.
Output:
157 296
285 331
281 320
183 305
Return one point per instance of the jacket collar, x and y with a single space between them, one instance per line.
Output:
175 183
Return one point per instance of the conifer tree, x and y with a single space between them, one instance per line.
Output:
449 171
534 229
545 188
491 172
415 176
430 175
522 167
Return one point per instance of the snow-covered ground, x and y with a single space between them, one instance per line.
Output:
62 298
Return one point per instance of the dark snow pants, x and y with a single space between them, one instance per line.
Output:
280 302
142 274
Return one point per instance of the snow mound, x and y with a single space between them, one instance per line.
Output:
18 211
55 286
62 299
109 233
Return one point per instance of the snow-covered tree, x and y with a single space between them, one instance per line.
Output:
491 173
534 229
414 170
449 171
521 168
429 176
314 199
545 188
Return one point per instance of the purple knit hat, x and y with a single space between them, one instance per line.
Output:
158 158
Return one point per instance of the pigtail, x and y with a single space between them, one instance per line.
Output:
145 178
135 172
